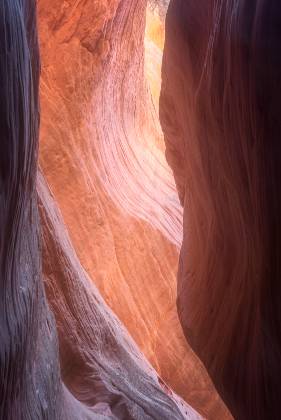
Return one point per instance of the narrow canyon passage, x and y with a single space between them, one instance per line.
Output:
63 353
140 202
102 153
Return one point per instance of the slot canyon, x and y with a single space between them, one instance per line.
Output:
140 209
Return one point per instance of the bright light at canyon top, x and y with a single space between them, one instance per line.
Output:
154 45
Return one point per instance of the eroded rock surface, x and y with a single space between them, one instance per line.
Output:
220 114
100 364
94 370
101 151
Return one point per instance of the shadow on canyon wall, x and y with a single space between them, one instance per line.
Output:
64 354
220 112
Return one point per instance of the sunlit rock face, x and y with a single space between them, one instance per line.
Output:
101 151
220 112
95 158
84 365
154 44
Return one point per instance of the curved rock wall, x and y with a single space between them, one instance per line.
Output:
101 373
70 155
101 366
220 114
28 344
101 151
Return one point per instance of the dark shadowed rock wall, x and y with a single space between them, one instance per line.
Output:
30 385
220 112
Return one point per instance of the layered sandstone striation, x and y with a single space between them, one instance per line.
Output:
68 312
86 155
68 357
101 366
102 153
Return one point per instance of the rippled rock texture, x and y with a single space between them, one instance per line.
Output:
220 111
69 358
89 327
102 153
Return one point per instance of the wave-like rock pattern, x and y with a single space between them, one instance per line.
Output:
132 264
100 363
102 374
29 366
122 268
130 165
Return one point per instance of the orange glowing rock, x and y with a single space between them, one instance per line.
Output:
101 151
